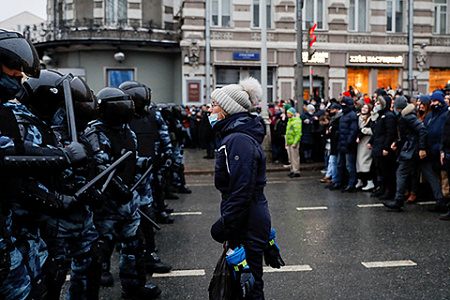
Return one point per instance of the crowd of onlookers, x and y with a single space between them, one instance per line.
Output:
390 144
395 146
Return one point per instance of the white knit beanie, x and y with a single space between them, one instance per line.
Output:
236 98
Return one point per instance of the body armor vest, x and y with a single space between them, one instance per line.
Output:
146 128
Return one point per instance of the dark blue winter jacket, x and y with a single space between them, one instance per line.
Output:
307 128
240 176
434 122
348 127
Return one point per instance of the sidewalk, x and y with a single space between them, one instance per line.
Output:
195 164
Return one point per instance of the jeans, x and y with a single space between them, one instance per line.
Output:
332 167
406 167
349 161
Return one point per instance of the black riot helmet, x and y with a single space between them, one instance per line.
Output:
166 111
17 53
140 93
178 112
115 106
44 96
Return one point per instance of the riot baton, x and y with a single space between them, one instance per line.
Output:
149 219
70 113
103 173
142 178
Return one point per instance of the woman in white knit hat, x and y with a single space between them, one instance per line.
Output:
240 175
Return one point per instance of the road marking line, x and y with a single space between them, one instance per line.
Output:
294 268
187 213
388 264
370 205
200 184
427 203
181 273
312 208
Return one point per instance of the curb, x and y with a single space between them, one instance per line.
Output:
309 167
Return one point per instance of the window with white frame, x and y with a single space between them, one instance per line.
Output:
256 12
440 16
221 13
314 12
357 15
116 12
232 75
394 15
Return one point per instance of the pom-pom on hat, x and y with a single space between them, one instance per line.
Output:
236 98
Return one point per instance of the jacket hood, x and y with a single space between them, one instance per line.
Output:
241 122
348 101
410 108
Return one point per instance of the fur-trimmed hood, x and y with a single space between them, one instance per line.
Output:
408 109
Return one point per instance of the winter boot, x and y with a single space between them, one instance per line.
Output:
153 264
369 186
394 204
359 184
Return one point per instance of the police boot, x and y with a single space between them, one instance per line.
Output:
394 204
184 190
149 291
153 264
106 278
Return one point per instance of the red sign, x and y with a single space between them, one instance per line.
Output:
194 91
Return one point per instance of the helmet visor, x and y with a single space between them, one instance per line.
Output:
19 54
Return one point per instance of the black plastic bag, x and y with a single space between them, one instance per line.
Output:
223 285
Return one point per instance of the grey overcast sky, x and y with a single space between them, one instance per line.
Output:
10 8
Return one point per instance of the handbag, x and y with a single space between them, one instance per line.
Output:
223 284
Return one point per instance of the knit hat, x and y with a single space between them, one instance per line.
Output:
391 93
424 99
310 107
401 102
291 111
287 106
438 95
335 106
236 98
346 94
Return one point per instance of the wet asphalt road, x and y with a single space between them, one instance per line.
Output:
325 238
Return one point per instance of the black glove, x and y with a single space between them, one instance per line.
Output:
272 255
120 191
246 281
92 197
75 153
34 197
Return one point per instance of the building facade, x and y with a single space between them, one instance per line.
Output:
360 43
111 41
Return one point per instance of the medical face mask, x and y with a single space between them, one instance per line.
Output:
213 119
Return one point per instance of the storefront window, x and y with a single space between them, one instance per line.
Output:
438 79
358 79
387 78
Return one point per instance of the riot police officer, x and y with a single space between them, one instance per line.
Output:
70 235
145 127
21 158
110 137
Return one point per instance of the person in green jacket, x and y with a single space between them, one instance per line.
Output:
293 136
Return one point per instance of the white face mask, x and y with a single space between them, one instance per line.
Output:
322 107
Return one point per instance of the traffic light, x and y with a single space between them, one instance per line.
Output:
311 39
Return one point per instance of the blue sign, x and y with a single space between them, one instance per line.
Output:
246 56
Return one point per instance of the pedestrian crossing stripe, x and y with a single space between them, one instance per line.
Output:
181 273
312 208
370 205
293 268
389 264
186 213
426 203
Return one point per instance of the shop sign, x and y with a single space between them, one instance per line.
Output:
317 58
245 56
379 60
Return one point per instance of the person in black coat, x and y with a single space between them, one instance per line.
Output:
348 130
384 134
445 156
308 127
333 131
240 175
414 149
